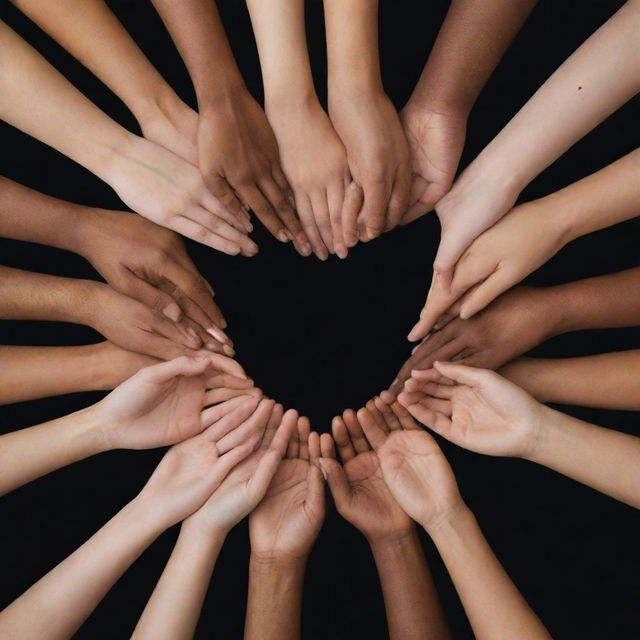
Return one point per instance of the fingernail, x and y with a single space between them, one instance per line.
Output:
173 312
217 334
252 249
282 236
342 252
194 335
228 350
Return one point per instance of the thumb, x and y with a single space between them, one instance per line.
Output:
337 480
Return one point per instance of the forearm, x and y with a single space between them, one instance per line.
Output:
66 596
33 452
604 459
597 79
279 28
493 604
275 599
66 121
410 597
90 32
352 47
605 381
174 607
25 295
472 40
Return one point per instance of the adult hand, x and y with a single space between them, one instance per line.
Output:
379 160
287 521
359 491
162 187
436 140
501 257
480 411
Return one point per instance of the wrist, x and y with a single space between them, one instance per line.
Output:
273 565
278 105
87 431
552 425
89 303
428 100
395 544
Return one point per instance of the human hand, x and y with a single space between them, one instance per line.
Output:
247 484
238 158
480 411
150 264
436 140
359 491
378 158
511 325
288 519
169 191
315 163
161 405
492 264
193 469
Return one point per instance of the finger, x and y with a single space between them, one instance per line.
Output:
433 404
377 416
462 374
229 433
342 440
351 207
293 446
216 396
334 475
275 419
181 366
235 215
278 197
485 293
327 446
151 344
303 204
149 295
376 436
442 391
223 418
263 210
314 447
222 228
400 196
374 210
285 432
335 200
435 421
406 420
393 424
227 381
231 459
356 434
220 363
190 229
304 429
315 485
437 303
320 208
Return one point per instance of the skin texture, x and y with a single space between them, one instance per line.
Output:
365 119
151 180
237 150
183 481
313 157
421 480
174 607
160 405
483 412
472 40
573 380
576 98
136 257
363 498
90 32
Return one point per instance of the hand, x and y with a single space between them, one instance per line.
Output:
150 264
480 411
359 491
238 158
247 484
511 325
287 521
436 140
500 258
192 470
162 187
379 161
160 405
315 163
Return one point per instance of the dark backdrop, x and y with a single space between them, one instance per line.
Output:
322 337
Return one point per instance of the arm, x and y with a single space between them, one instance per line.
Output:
237 151
154 182
607 381
602 199
25 372
90 32
471 42
364 117
597 79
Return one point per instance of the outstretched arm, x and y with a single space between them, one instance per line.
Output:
471 42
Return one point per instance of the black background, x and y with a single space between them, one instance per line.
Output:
324 336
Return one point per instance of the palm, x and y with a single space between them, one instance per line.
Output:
287 519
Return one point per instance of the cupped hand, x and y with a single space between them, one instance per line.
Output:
315 163
247 484
436 140
150 264
239 160
378 158
169 191
358 488
476 409
161 404
511 325
498 259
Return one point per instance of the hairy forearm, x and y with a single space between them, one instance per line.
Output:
174 607
275 599
604 459
472 40
597 79
66 596
410 597
493 604
605 381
